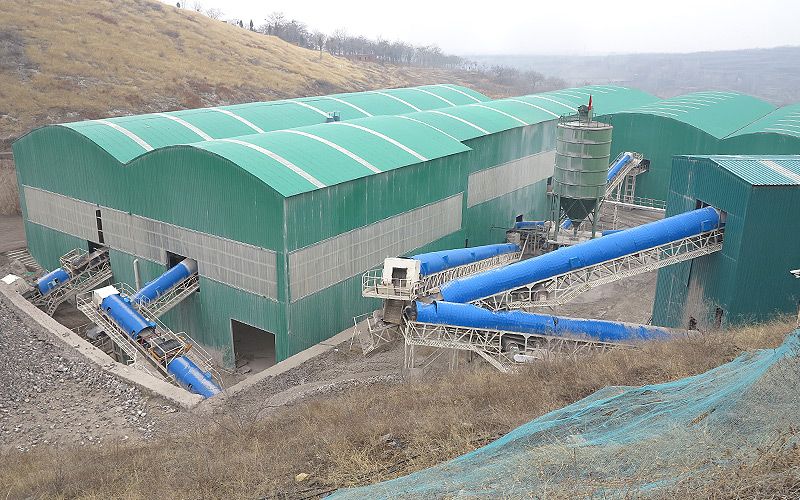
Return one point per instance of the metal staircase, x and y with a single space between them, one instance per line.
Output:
372 332
560 289
25 258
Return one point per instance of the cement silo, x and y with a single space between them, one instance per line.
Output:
583 149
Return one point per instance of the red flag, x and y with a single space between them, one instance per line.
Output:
590 101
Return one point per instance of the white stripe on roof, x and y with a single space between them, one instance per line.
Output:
306 105
665 110
775 129
280 159
692 100
534 106
569 93
777 167
600 90
451 103
188 125
338 148
390 96
385 138
656 112
349 104
568 106
135 138
243 120
404 117
465 122
675 104
784 121
456 90
501 112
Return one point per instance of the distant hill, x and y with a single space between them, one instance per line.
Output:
66 60
771 74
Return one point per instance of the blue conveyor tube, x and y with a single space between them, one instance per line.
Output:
584 254
529 224
52 280
617 166
433 262
192 377
125 316
470 316
163 283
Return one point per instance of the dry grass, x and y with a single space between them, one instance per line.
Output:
68 60
360 436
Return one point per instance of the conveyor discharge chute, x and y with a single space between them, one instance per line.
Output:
470 316
591 252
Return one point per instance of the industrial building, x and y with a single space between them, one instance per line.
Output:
693 123
749 279
777 133
284 205
282 223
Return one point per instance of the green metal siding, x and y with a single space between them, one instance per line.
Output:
749 278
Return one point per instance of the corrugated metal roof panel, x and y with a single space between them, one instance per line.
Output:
716 113
308 158
761 170
782 121
135 135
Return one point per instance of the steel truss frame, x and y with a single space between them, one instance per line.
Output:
488 343
560 289
79 283
171 298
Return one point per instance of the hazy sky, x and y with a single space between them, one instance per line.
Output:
539 27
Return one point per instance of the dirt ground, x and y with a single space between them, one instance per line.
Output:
12 233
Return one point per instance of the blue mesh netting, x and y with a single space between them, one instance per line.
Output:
624 441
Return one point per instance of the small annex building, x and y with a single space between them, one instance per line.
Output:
749 279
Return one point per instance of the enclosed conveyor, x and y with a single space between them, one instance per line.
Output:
468 315
568 259
408 278
169 289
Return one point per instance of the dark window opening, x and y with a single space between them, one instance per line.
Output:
253 348
99 220
173 259
520 218
466 243
94 246
398 274
718 313
692 323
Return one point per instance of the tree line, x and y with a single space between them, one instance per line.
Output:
399 53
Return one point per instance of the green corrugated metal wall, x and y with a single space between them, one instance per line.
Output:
658 139
749 278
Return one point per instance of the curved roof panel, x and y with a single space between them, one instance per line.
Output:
127 137
782 121
478 119
307 158
714 112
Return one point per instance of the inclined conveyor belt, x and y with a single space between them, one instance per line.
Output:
470 316
566 259
434 262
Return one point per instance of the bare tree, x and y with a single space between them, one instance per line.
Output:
197 6
319 39
215 13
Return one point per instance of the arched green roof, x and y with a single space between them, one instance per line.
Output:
478 119
714 112
295 161
782 121
127 137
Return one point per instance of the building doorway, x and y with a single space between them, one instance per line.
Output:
253 348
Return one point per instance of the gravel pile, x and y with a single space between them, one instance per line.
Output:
50 395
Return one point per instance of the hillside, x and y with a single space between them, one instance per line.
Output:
771 74
68 60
